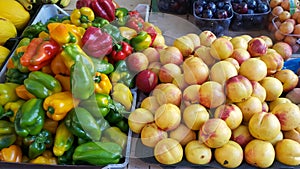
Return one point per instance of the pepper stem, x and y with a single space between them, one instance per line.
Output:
51 110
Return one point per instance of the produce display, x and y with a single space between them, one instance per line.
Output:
77 85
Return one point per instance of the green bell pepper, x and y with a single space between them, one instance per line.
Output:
99 22
13 75
82 124
122 16
121 74
82 82
114 33
63 140
33 30
11 109
7 134
141 41
98 153
30 118
18 54
67 157
38 143
102 66
8 93
41 84
114 134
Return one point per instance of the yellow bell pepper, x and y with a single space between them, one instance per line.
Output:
102 83
65 33
122 94
59 104
127 32
46 158
13 107
13 153
82 17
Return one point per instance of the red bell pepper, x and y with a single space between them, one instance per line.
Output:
135 21
104 8
39 53
121 51
83 3
149 28
96 43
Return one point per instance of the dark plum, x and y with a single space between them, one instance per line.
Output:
222 14
242 8
262 8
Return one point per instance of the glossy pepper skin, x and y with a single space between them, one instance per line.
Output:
64 33
66 158
98 153
19 52
39 53
104 8
23 93
73 53
13 75
45 158
102 65
121 15
96 43
122 94
63 140
13 153
82 82
64 81
142 41
38 143
82 124
33 30
58 66
114 134
8 93
30 118
7 134
41 84
12 108
59 104
121 51
82 17
121 74
135 21
102 83
99 22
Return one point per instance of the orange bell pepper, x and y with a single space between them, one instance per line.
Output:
46 158
58 66
59 104
23 93
13 153
64 81
102 83
50 125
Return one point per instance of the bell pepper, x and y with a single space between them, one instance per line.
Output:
7 134
142 41
41 84
82 17
66 158
46 158
135 21
82 82
104 8
102 83
122 94
82 3
30 118
64 81
38 143
63 140
4 114
121 15
82 124
121 74
117 116
13 75
102 65
39 53
98 153
23 93
99 22
151 30
96 43
120 52
58 66
8 92
114 134
44 35
50 125
114 33
123 124
64 33
12 108
59 104
13 153
127 32
33 30
73 53
98 104
19 52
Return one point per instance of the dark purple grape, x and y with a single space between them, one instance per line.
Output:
251 4
207 13
220 4
199 10
222 14
212 6
262 8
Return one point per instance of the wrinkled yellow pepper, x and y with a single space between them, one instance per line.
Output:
122 94
102 83
82 17
46 158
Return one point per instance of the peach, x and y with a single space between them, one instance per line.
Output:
284 49
276 139
139 118
239 42
170 54
288 78
168 151
152 54
264 126
286 27
285 5
233 160
288 152
247 37
191 95
137 62
259 153
294 95
195 70
288 115
214 133
197 153
194 116
240 55
278 101
185 45
277 10
154 67
222 71
241 135
167 117
278 35
183 134
293 134
195 39
257 47
238 88
203 52
150 103
163 91
284 15
179 81
258 91
221 48
168 72
249 107
211 94
268 40
273 88
151 135
258 69
274 62
230 113
234 62
207 37
274 3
